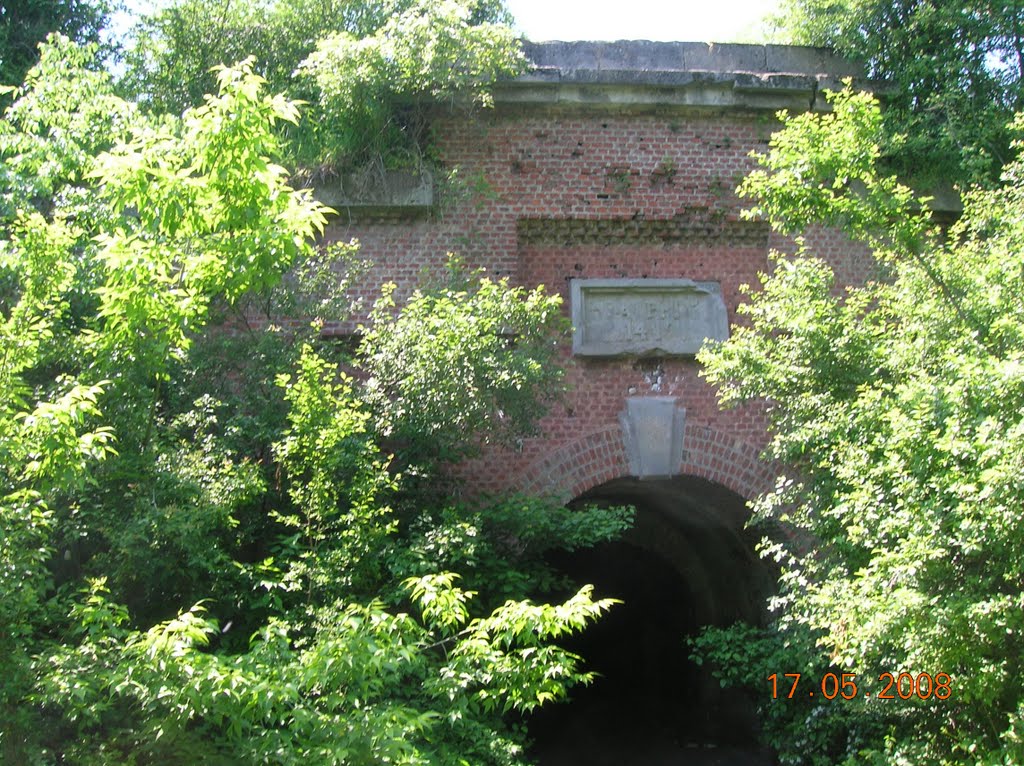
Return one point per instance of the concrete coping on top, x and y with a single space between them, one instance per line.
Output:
632 73
639 56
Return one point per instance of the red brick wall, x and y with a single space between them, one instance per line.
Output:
547 196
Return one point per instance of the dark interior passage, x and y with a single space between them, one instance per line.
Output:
687 563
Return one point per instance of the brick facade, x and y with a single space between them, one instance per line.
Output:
545 193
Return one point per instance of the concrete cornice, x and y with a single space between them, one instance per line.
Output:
640 73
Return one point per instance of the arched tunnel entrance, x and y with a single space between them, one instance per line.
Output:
688 562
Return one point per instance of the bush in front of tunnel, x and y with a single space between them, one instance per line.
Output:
357 685
327 676
798 721
502 548
899 407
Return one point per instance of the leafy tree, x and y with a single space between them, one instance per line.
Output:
229 568
898 406
361 63
326 677
24 24
956 69
464 357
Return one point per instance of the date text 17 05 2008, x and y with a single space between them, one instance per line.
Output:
844 685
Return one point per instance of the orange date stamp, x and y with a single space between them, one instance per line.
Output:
892 686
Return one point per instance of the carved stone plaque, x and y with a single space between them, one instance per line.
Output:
619 317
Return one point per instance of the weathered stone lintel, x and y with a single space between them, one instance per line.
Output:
393 193
652 434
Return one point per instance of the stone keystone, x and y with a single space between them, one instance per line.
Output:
652 433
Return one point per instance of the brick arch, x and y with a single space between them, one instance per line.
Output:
727 460
570 469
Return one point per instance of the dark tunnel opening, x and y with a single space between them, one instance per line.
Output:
688 562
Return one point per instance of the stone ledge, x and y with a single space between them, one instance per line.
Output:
684 74
690 92
395 193
647 56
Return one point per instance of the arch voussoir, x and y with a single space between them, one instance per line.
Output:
571 468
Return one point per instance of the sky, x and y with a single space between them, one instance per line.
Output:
720 21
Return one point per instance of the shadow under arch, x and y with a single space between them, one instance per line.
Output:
687 563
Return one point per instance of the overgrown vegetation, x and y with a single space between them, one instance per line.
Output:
898 407
956 75
217 548
207 555
24 24
369 69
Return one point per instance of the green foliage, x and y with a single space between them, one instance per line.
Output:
844 148
222 195
169 66
336 477
64 114
897 404
199 529
24 24
956 74
47 439
369 687
361 64
462 359
501 550
434 49
804 730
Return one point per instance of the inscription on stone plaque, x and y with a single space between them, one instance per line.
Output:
618 317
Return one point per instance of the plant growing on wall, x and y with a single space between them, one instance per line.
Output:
364 67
